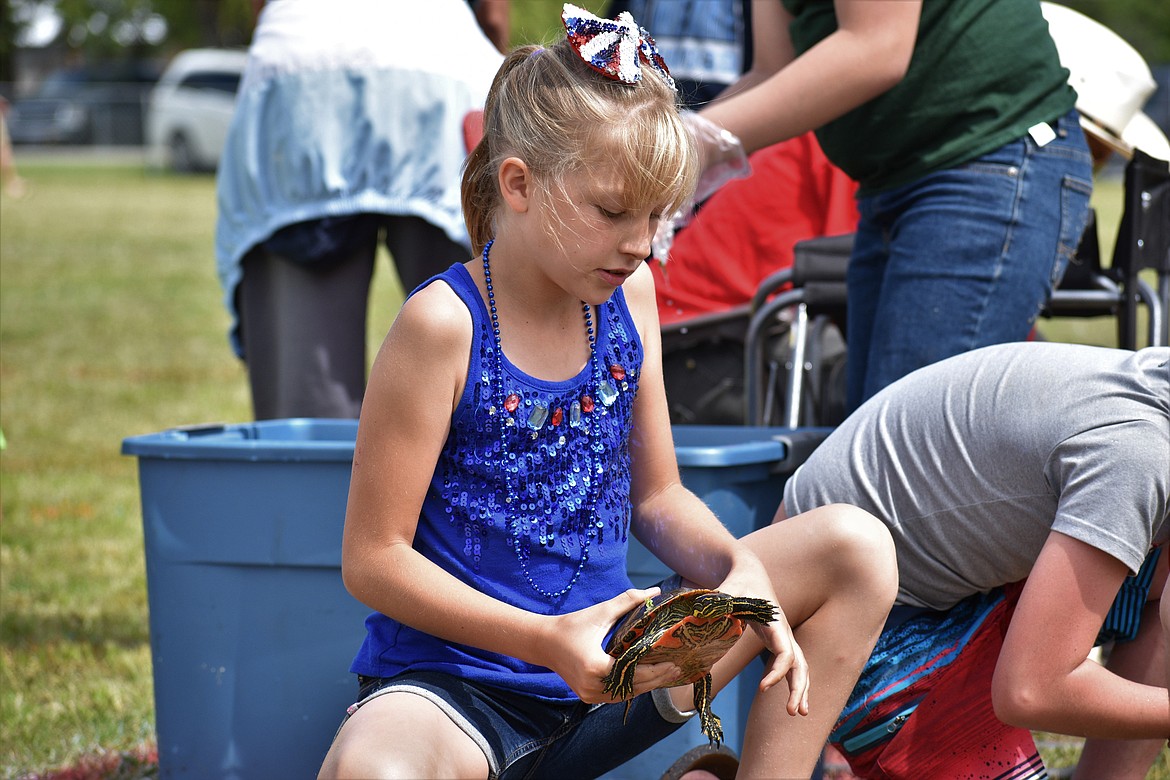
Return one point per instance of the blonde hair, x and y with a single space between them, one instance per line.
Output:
558 115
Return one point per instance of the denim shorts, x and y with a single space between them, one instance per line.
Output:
525 737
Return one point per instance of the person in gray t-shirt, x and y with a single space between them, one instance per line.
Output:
1022 483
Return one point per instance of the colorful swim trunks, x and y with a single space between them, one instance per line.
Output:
922 705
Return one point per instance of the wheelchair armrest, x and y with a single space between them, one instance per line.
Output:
823 259
768 286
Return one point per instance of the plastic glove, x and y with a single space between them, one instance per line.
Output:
722 158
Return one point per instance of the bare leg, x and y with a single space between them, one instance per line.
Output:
402 735
1164 612
1144 660
835 573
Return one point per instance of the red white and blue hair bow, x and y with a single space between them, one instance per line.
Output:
615 48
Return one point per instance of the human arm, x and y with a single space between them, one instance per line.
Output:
784 95
674 524
1044 680
414 386
1164 613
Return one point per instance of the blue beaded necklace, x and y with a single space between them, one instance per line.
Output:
580 412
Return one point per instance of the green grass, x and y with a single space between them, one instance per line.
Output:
111 326
107 314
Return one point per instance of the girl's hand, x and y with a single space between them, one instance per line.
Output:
575 650
788 661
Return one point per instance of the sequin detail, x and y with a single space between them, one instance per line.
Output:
530 516
607 392
567 488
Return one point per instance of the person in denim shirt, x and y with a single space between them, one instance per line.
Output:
707 42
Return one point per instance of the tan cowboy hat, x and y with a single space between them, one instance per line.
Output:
1113 82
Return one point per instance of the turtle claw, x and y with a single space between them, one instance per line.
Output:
619 681
712 727
709 722
756 610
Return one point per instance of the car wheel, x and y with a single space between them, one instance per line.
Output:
181 156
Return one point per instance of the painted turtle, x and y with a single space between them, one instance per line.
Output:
689 627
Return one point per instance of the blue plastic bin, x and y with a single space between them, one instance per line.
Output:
251 629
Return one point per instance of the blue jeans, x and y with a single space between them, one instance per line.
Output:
963 258
526 738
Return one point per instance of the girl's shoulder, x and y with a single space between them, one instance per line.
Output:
640 285
429 345
434 325
435 314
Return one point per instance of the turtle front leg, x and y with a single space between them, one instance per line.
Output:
709 722
619 682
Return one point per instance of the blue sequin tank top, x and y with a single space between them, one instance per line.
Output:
560 544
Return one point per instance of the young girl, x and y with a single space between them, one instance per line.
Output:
515 432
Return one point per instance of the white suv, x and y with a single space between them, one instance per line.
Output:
191 107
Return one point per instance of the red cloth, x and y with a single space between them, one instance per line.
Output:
746 230
953 732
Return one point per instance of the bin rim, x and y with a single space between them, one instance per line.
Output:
293 439
320 439
729 445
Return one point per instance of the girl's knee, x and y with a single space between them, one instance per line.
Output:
860 548
855 530
398 745
851 546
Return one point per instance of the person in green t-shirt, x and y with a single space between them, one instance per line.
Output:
957 120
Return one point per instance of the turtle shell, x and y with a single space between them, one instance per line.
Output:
690 627
673 628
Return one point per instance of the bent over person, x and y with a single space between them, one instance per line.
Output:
1026 488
